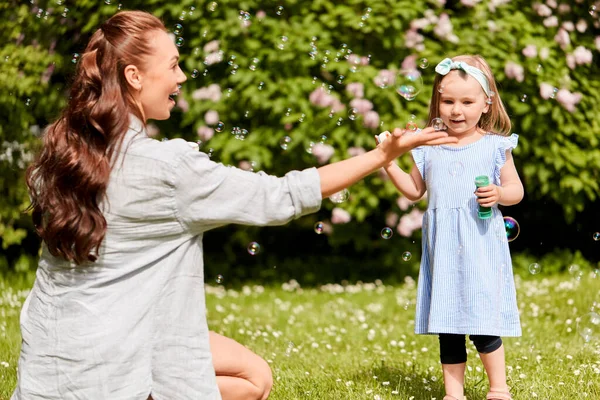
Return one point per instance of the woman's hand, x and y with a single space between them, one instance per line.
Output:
489 195
401 141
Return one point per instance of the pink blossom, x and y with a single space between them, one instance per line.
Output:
337 106
582 55
354 59
419 23
568 26
288 126
385 78
410 222
211 117
571 61
410 62
544 53
205 133
211 46
322 152
391 218
356 89
371 120
340 216
581 26
213 58
514 71
597 43
412 38
551 22
321 98
212 92
542 10
152 130
365 60
361 105
183 104
564 8
327 228
567 99
260 14
551 3
562 38
546 91
245 165
356 151
404 203
530 51
444 27
48 73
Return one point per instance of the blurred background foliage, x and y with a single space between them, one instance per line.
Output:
284 85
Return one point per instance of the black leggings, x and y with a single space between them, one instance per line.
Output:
453 349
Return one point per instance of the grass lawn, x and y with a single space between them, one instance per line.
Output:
356 341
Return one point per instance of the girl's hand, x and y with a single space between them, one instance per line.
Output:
489 195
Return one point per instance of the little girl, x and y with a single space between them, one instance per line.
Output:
466 284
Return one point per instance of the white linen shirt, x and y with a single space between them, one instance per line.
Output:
133 323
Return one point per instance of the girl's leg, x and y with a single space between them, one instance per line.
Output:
241 374
491 351
453 355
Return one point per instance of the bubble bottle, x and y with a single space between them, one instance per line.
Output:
483 212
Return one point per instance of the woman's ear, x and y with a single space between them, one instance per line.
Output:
133 77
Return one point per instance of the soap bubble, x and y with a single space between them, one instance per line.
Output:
195 73
319 227
512 228
253 248
220 126
177 29
588 327
437 124
411 126
386 233
575 271
352 114
535 268
285 142
523 98
596 236
212 6
340 196
456 168
409 84
406 256
423 63
179 41
219 278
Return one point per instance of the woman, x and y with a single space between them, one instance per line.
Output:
117 309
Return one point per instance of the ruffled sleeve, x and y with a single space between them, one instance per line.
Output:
505 144
418 155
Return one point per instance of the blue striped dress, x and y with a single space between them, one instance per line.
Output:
466 283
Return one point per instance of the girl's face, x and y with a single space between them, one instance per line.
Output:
462 103
160 78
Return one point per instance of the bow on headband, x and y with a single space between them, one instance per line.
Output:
446 65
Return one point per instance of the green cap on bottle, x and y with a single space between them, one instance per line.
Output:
483 212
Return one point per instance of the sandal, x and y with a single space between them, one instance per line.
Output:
494 395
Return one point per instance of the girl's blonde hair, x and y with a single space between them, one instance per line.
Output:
496 120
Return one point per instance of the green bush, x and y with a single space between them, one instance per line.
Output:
270 56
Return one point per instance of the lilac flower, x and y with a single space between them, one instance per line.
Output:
371 120
551 22
211 117
356 89
514 71
356 151
213 58
568 26
562 38
385 78
409 62
567 99
340 216
183 104
546 91
322 152
544 53
597 43
205 133
581 26
542 10
582 55
212 92
530 51
211 46
361 105
391 218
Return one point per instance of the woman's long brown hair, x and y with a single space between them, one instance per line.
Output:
68 180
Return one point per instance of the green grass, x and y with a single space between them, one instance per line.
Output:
356 342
